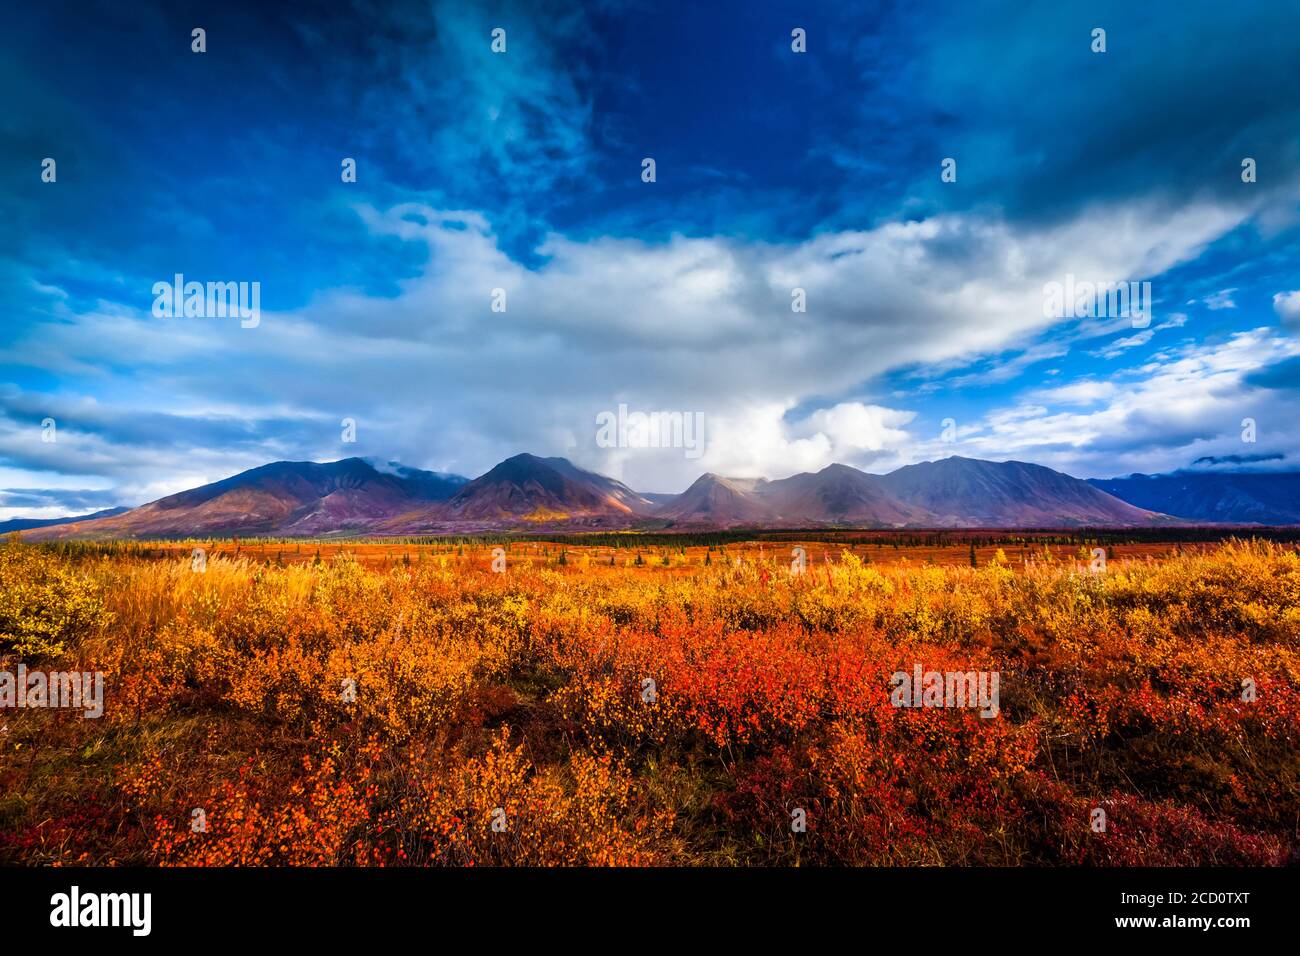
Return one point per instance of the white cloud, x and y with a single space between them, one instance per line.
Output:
436 379
1287 305
1162 417
1221 300
1120 346
1082 392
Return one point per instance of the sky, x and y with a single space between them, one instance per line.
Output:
500 273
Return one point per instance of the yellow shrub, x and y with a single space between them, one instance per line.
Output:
44 602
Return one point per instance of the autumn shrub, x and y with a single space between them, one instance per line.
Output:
437 713
1123 829
316 819
44 603
496 808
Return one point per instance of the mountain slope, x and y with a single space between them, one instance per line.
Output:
954 492
840 495
836 495
528 491
27 524
284 497
718 502
970 492
1245 498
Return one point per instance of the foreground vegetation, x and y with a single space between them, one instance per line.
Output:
584 712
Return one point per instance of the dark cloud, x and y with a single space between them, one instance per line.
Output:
1237 459
1279 376
1182 94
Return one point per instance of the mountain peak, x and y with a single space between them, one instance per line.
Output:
525 457
542 491
973 491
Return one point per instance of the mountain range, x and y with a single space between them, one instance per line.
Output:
526 492
1235 498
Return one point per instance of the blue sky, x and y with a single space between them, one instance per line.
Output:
521 171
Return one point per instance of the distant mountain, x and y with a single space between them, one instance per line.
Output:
528 491
836 495
954 492
842 495
714 501
1244 498
283 498
26 524
971 492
